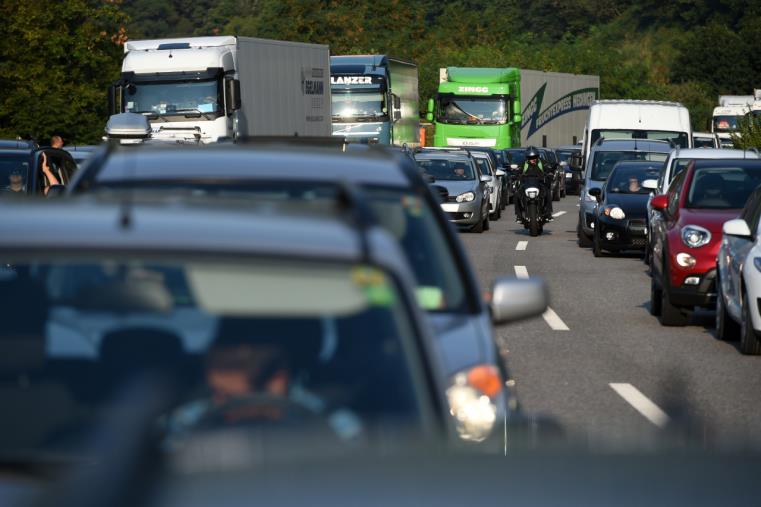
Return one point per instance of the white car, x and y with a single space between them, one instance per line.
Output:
705 140
738 283
485 167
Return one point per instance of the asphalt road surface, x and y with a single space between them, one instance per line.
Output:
600 363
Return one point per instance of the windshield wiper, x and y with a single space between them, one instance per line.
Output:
157 116
195 113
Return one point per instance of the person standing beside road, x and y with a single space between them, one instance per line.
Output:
533 168
56 142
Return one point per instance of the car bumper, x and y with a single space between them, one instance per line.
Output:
702 293
463 213
620 235
587 217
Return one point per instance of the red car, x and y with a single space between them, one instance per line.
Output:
685 243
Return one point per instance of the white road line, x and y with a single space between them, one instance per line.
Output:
559 213
641 403
521 245
555 322
550 317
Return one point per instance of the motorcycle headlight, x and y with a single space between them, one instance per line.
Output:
695 236
532 193
466 197
614 212
472 402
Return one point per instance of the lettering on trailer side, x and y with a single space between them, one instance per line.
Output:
313 88
351 80
535 117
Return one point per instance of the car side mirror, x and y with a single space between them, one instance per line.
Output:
514 299
596 193
737 227
650 184
56 190
660 202
486 178
501 173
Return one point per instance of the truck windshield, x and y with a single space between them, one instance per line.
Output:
726 123
680 139
173 97
358 106
472 110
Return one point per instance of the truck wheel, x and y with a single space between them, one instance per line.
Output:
750 343
655 298
726 328
581 238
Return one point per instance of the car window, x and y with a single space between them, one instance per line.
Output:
14 174
83 331
603 162
752 211
678 165
483 166
675 192
444 169
723 187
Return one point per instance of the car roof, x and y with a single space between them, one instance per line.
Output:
235 162
752 162
639 163
444 154
632 144
564 147
714 153
169 226
17 144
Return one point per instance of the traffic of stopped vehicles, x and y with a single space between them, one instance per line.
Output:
208 297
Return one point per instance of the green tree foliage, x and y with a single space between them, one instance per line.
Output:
748 134
56 60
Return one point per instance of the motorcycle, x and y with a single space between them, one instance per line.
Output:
532 196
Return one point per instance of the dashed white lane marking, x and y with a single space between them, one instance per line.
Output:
550 317
555 322
641 403
521 245
521 272
559 213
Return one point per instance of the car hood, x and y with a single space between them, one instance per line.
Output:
711 219
459 341
457 187
634 205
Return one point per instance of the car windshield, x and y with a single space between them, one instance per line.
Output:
14 173
680 139
628 178
500 156
725 123
228 344
565 155
723 187
703 142
447 170
471 110
348 105
603 162
193 97
517 156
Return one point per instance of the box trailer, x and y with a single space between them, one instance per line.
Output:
208 89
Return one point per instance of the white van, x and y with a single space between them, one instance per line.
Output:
637 119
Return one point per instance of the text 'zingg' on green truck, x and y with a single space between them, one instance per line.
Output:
477 107
482 107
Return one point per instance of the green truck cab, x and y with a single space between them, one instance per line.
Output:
477 107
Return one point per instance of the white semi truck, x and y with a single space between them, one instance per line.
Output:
210 89
727 114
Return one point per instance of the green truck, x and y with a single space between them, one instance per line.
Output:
477 107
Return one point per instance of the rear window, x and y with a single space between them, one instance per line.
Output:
603 162
628 179
446 170
722 187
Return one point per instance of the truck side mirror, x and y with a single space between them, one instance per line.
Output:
429 114
114 99
397 101
517 118
397 115
232 95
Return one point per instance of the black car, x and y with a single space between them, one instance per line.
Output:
515 160
573 175
552 165
21 167
620 216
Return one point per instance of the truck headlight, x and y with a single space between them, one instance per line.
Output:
614 212
695 236
466 197
472 402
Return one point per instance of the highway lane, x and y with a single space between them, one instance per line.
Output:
615 377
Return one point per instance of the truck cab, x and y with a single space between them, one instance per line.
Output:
477 107
374 99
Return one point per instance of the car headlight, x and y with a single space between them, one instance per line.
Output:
614 212
466 197
472 402
695 236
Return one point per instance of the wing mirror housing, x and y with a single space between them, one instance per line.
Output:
514 299
486 178
650 184
501 173
660 202
737 227
596 193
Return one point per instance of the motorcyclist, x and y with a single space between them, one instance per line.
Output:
534 169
